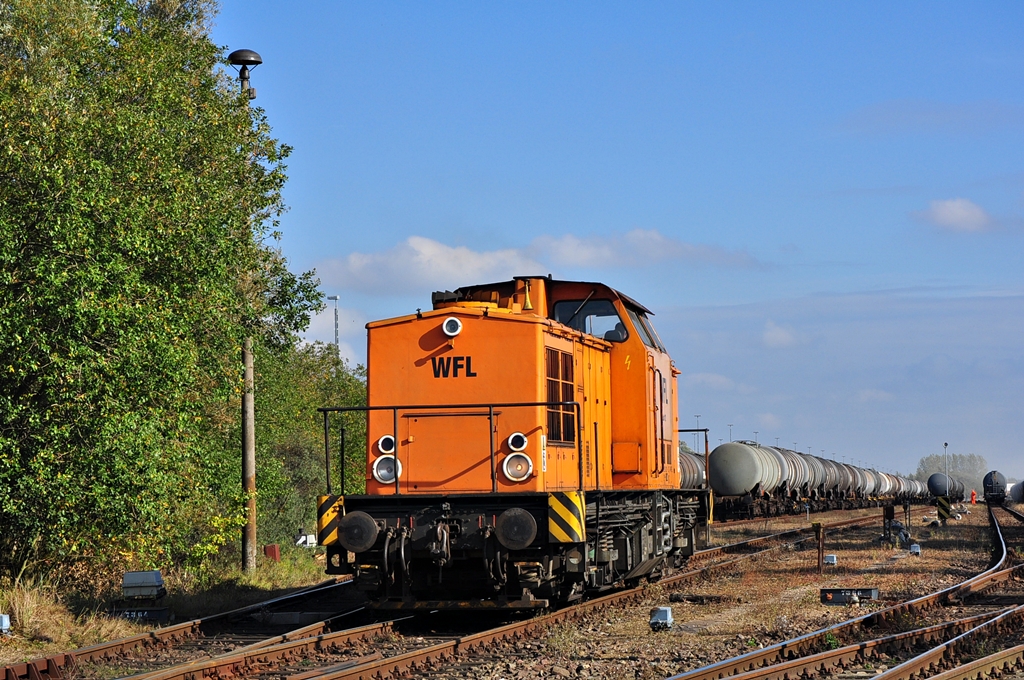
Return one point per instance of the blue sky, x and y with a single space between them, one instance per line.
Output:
823 203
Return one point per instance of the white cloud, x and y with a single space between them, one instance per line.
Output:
419 263
638 247
712 381
778 336
351 323
956 214
874 395
769 420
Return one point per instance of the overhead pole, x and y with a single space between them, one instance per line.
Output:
245 59
337 340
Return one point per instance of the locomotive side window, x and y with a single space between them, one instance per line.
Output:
595 317
561 387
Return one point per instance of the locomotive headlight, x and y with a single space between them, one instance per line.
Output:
384 469
386 444
517 467
517 441
451 326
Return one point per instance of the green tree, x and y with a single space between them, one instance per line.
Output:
969 469
291 385
138 193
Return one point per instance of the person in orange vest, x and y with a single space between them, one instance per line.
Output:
974 497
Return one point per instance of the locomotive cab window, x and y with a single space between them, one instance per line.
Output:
595 317
561 387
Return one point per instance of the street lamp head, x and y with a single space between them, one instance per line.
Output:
244 58
332 297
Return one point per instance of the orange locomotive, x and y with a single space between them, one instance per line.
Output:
522 450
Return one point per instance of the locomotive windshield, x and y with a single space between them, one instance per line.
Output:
595 317
645 329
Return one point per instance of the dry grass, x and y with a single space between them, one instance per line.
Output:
43 624
50 617
193 596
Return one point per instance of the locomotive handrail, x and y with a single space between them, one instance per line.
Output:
327 410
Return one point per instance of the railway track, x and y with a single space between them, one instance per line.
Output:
250 625
219 645
939 648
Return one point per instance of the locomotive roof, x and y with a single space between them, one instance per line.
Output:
464 291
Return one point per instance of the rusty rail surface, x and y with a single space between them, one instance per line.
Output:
233 663
1014 513
1006 661
945 654
824 663
807 643
62 666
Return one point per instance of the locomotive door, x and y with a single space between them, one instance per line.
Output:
447 452
562 428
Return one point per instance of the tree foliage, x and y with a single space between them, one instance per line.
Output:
969 469
138 193
291 470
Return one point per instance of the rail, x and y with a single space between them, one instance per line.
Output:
326 411
61 666
804 644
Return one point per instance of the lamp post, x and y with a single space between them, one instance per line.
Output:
945 463
730 431
245 59
755 436
337 345
695 434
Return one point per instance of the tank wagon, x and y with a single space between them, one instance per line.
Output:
1017 492
522 451
751 480
939 484
994 487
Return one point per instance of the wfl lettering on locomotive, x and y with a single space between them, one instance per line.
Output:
522 452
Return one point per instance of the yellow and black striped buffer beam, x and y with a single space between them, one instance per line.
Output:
328 513
566 517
